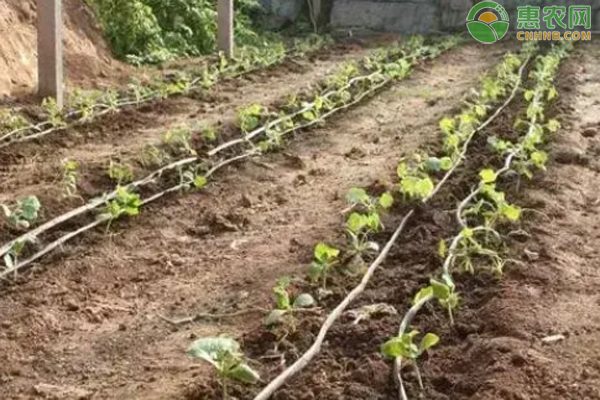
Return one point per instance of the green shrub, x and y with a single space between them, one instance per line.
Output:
152 31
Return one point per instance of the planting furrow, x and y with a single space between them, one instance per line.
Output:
544 311
480 211
87 107
508 82
202 252
38 172
122 202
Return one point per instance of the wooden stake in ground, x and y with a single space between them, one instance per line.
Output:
225 22
50 50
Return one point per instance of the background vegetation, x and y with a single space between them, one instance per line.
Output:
152 31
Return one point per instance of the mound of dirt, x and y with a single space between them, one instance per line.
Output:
88 60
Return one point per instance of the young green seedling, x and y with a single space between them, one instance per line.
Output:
249 117
125 203
325 258
120 173
190 179
179 141
286 302
403 347
11 259
154 156
365 220
24 213
69 177
225 355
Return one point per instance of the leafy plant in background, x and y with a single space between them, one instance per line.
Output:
120 173
10 120
24 213
153 31
179 140
226 357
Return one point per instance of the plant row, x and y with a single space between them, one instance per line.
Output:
364 220
82 107
339 92
476 246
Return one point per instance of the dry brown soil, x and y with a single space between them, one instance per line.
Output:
85 322
34 168
88 61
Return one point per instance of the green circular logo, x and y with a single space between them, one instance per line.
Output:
488 22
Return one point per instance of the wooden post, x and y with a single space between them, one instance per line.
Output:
225 23
50 50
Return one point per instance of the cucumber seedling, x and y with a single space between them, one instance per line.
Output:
24 213
286 302
120 173
69 177
227 359
325 258
365 219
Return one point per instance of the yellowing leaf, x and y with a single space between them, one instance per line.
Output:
442 249
386 200
487 176
511 212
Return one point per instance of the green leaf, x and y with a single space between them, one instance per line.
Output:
424 187
539 158
423 293
487 176
309 116
325 253
433 164
428 341
393 348
446 163
386 200
244 373
467 233
402 170
316 270
274 317
30 207
209 349
199 181
356 222
447 125
442 248
512 213
304 300
440 290
553 126
357 196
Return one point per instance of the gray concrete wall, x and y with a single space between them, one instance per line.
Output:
422 16
430 15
